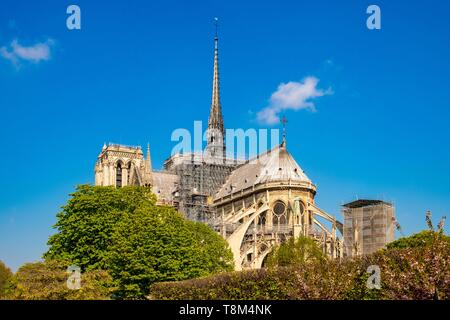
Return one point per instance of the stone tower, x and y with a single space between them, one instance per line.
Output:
120 165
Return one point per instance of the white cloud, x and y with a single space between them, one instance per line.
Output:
36 53
291 96
8 55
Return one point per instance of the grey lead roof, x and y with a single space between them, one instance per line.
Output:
274 165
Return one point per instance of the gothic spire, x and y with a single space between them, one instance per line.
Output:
215 115
216 131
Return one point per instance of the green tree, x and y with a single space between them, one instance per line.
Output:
425 238
48 281
295 251
421 239
5 278
87 221
158 244
123 231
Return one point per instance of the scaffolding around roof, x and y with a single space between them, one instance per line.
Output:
198 182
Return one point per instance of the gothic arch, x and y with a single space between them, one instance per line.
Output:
298 216
262 219
129 163
119 161
119 173
259 261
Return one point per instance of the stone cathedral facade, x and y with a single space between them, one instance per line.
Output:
254 204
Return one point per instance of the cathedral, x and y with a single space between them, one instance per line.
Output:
254 204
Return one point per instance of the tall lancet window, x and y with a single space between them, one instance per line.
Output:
119 175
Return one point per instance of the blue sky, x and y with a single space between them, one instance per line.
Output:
137 70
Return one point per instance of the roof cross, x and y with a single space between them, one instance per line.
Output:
284 121
216 23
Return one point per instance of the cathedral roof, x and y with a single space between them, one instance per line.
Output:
360 203
276 165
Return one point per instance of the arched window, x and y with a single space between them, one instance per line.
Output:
299 208
279 213
262 219
119 175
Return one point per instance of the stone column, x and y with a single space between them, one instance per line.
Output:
105 178
296 218
124 176
112 175
224 228
307 222
98 181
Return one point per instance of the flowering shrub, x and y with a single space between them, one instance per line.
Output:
410 273
414 273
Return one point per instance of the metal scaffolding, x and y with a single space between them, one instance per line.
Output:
368 226
198 181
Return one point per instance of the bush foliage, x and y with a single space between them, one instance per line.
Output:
410 273
48 281
5 277
421 239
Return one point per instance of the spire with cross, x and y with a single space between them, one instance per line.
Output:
216 130
216 24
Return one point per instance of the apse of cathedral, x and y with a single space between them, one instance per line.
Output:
254 204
